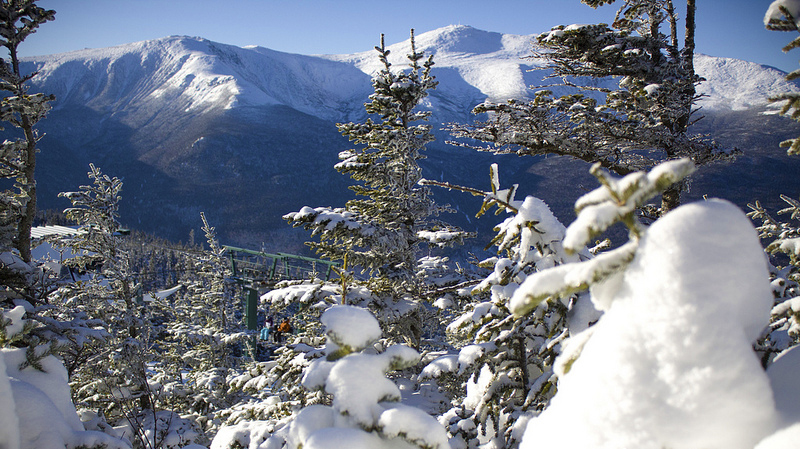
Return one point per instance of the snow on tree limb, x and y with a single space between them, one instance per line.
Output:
615 201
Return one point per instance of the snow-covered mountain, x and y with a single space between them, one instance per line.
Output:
248 134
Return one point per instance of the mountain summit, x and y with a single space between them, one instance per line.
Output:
248 134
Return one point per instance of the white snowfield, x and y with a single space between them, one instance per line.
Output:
471 65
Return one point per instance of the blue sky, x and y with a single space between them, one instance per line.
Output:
729 28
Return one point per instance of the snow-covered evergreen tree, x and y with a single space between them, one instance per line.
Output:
495 370
784 15
507 365
116 367
783 239
365 411
113 377
111 294
18 20
383 228
643 122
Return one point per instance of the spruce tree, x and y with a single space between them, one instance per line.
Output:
112 296
508 362
381 231
643 122
18 20
783 243
780 17
782 237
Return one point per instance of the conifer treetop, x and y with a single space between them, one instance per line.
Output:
784 15
381 229
643 121
19 19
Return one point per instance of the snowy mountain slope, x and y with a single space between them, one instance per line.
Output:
248 134
736 85
199 75
492 63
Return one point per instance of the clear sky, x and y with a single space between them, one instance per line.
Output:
729 28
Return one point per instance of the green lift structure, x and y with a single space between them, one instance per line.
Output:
257 272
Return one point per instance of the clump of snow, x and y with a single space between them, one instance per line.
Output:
774 12
466 357
248 435
444 364
477 388
360 398
670 364
9 431
652 89
790 246
413 425
478 312
351 326
782 439
554 34
437 237
308 292
39 406
365 412
783 376
17 323
325 215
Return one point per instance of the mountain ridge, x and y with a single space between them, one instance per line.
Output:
186 121
220 75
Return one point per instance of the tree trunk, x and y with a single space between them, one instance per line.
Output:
688 45
687 64
23 240
671 198
673 28
522 360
